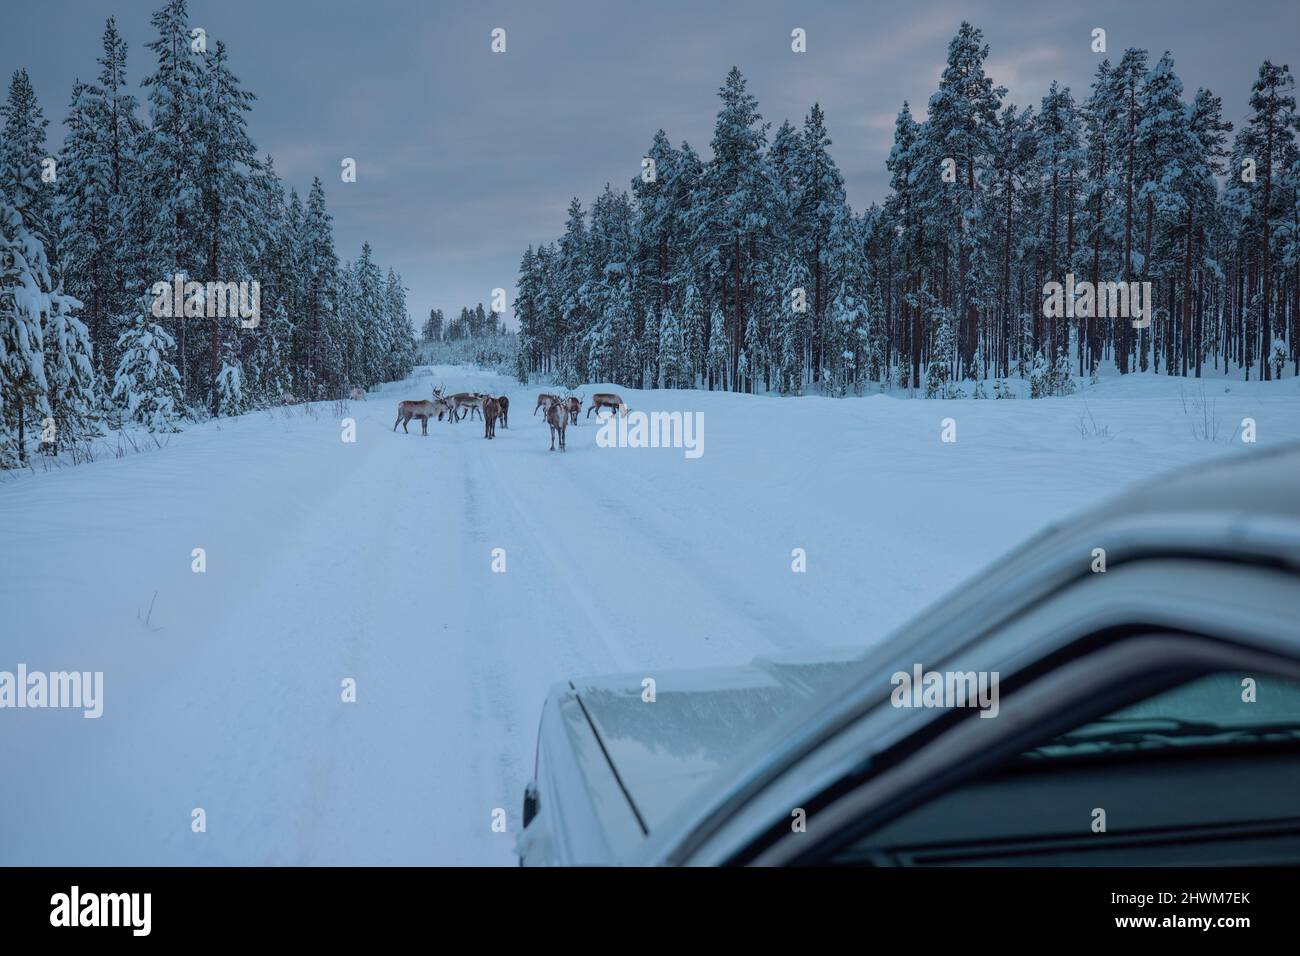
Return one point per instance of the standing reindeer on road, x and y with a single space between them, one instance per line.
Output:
504 403
465 400
491 409
544 399
574 405
423 410
443 402
557 416
604 400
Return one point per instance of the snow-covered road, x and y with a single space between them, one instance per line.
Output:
373 560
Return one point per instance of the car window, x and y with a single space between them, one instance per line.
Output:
1219 710
1207 772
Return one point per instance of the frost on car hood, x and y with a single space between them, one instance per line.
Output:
698 722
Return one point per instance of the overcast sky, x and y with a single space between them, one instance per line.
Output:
465 156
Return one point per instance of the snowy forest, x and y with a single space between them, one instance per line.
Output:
476 337
749 271
136 194
475 323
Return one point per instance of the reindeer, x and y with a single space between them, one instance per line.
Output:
504 403
288 398
465 400
557 416
574 405
604 400
358 394
544 399
491 410
423 410
443 403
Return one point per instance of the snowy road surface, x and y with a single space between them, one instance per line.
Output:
372 560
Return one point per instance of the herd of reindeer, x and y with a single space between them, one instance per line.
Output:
560 410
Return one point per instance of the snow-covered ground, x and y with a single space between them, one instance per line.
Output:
373 560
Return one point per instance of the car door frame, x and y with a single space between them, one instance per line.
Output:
1113 676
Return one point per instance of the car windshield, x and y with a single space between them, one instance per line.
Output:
1220 709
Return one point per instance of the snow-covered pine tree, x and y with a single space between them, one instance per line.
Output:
228 206
147 385
1173 178
401 338
271 357
693 322
963 114
648 349
22 151
170 151
738 198
230 386
719 351
572 273
97 177
819 204
1057 161
24 301
1012 169
369 318
72 384
909 224
1114 112
751 355
1271 131
674 361
791 327
320 266
940 379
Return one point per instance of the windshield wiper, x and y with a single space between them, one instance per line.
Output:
1152 730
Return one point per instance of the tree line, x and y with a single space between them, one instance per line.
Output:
749 271
138 194
472 323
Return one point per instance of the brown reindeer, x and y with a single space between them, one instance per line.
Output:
504 404
422 410
491 410
604 400
465 400
574 405
557 416
544 399
439 399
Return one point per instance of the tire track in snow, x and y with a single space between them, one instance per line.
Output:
666 566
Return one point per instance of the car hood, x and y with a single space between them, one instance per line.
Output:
699 720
